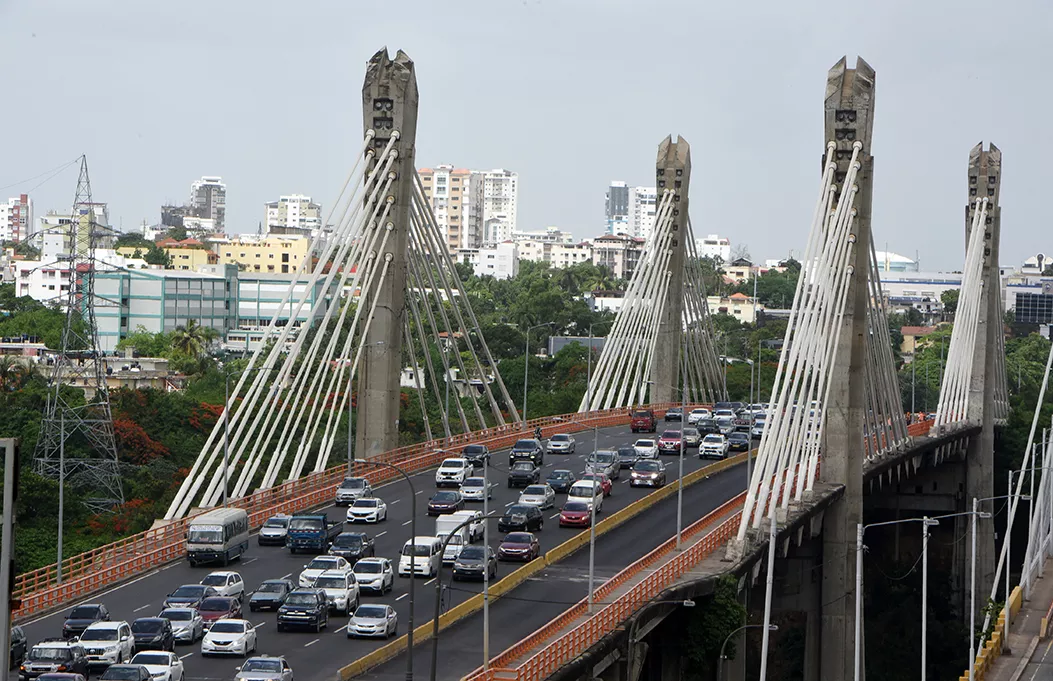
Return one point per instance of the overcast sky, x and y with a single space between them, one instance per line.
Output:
570 94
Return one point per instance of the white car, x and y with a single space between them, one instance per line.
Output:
226 583
562 443
162 665
713 446
473 489
646 448
107 643
757 430
229 637
367 510
452 472
373 620
374 574
187 625
320 565
542 496
697 415
341 590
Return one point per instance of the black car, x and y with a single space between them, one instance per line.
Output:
153 633
739 441
560 480
527 449
446 501
19 645
627 456
83 615
61 676
478 455
270 595
473 562
521 517
125 672
708 427
189 596
353 545
304 608
674 414
47 656
523 473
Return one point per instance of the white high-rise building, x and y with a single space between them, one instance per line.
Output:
208 199
456 197
643 203
16 218
713 246
500 201
293 214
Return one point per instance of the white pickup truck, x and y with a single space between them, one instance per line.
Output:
341 590
453 472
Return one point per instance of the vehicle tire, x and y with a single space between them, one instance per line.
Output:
280 626
509 484
253 608
541 525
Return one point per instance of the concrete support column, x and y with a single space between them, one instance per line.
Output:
673 173
849 119
389 105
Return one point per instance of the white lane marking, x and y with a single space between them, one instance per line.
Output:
143 607
250 560
626 482
394 502
311 643
183 657
401 597
430 581
94 599
418 491
380 534
554 515
342 628
407 523
287 576
509 504
257 626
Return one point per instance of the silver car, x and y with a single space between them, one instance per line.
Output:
274 530
187 625
604 461
373 620
692 438
562 443
351 489
265 668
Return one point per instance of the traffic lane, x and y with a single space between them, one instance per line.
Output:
144 595
555 589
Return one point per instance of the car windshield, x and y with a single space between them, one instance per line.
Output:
524 444
84 612
330 583
276 522
214 605
181 615
367 568
688 432
271 587
575 506
473 552
416 550
323 564
152 658
538 490
122 673
306 524
517 509
228 628
626 452
49 654
603 457
714 439
215 580
99 635
473 482
671 434
445 496
348 541
202 535
559 475
452 463
518 538
522 466
739 436
365 503
260 665
371 611
645 443
559 438
300 599
647 466
146 626
474 449
641 414
353 483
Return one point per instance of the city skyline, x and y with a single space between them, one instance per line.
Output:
142 155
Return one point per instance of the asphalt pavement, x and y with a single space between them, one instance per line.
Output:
318 656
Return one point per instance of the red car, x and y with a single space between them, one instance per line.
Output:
575 514
643 420
521 546
605 483
219 608
669 443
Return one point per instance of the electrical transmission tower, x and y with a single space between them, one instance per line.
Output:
79 364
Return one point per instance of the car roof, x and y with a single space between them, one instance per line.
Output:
269 581
232 619
107 625
559 470
371 559
225 573
458 459
332 573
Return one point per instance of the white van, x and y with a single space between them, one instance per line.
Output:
586 490
218 536
426 555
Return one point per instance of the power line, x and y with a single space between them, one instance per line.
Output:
52 173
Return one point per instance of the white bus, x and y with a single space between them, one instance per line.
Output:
218 536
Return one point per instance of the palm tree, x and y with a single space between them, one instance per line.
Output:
8 373
193 339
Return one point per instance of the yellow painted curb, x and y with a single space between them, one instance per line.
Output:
510 581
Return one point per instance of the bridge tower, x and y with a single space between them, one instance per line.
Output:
672 172
985 179
849 110
389 108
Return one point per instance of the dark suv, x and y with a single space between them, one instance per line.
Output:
739 441
523 473
304 608
478 455
527 449
153 633
521 517
50 654
83 615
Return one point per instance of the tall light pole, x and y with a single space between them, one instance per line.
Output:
926 523
526 366
724 645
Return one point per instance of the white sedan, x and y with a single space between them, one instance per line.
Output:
697 415
542 496
162 665
367 510
320 565
229 637
226 583
646 448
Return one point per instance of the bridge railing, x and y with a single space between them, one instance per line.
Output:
104 566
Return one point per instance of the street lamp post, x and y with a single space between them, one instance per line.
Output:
413 555
526 366
724 645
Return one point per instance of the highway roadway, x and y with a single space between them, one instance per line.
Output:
315 657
